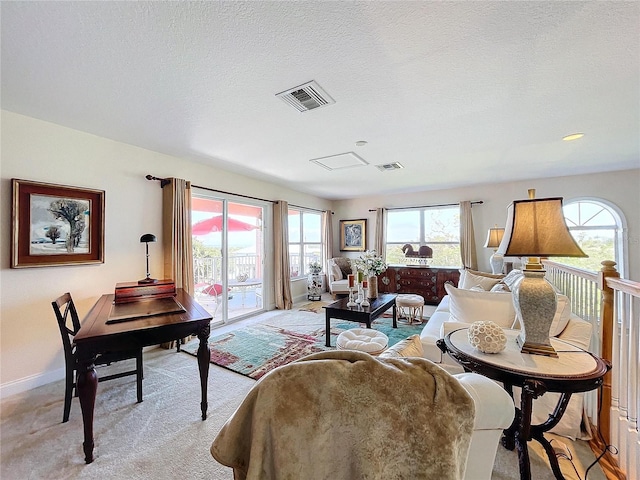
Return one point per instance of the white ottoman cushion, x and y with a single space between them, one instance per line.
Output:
362 339
409 300
414 303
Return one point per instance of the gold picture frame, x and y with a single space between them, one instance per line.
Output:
353 235
55 225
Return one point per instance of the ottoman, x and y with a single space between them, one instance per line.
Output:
414 305
362 339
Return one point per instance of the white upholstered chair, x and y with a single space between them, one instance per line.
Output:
337 270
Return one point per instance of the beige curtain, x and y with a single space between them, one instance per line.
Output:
467 237
282 269
176 234
327 241
381 232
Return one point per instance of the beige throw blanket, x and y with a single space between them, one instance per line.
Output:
344 415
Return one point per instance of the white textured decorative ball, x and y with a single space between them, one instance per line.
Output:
487 337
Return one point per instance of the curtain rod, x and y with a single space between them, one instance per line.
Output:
477 202
166 181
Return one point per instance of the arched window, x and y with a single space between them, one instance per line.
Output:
598 228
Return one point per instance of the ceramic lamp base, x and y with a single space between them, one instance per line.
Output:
535 302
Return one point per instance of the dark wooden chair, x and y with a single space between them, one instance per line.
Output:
64 308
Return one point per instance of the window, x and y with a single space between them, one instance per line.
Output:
305 240
437 227
597 228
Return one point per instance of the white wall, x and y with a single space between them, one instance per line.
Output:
621 188
30 346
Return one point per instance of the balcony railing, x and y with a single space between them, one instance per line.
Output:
209 269
612 305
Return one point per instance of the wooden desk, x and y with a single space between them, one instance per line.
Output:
575 370
360 314
96 336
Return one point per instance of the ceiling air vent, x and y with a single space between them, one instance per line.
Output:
390 166
306 97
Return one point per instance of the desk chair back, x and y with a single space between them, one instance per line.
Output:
65 310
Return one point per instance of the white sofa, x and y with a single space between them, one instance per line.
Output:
494 411
491 306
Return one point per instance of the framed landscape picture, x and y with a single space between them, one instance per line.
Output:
353 235
56 225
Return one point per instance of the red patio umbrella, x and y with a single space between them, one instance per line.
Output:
214 224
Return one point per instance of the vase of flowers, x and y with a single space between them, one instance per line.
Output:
315 267
371 265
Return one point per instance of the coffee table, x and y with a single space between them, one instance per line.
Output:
366 315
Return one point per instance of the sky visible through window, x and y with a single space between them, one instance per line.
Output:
594 229
439 228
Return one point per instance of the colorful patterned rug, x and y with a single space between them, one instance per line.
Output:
257 349
315 307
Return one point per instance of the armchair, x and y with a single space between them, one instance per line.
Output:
337 270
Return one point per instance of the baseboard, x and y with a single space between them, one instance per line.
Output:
28 383
33 381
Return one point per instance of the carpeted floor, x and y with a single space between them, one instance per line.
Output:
162 437
256 349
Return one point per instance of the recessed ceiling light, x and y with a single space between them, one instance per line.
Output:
573 136
361 143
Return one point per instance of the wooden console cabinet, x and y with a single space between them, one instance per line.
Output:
421 280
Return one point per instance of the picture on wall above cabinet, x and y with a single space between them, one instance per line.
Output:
353 235
56 225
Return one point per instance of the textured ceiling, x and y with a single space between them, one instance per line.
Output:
458 92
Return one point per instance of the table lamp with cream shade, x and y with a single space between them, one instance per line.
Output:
536 228
494 237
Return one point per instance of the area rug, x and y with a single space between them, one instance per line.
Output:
257 349
315 307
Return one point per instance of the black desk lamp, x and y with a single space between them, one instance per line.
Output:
146 238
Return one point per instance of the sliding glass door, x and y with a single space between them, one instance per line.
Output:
228 255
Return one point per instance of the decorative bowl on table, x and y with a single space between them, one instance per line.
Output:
242 277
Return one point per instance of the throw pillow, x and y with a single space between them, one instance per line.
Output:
485 274
468 280
447 327
510 279
336 271
409 347
468 306
344 263
561 318
500 287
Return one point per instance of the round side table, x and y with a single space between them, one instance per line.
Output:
575 370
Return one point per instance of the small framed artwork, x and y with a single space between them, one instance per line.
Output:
56 225
353 235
